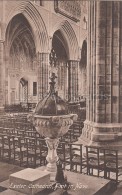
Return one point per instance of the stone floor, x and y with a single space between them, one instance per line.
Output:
7 169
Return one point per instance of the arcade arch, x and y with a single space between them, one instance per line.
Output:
61 50
21 49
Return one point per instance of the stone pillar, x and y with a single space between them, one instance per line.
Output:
103 125
43 72
2 78
73 80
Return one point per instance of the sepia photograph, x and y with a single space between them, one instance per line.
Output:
60 97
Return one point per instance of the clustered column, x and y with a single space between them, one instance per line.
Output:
73 80
43 63
104 102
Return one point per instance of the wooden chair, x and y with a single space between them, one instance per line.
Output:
44 150
30 133
7 147
113 168
69 137
77 128
76 158
33 152
95 164
36 152
20 151
63 151
1 145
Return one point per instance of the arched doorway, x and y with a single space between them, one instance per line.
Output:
23 90
59 46
20 46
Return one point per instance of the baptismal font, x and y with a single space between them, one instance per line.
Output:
52 120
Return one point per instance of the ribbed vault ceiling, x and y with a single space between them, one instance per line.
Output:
19 37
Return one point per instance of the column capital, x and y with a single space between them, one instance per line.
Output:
39 53
74 60
73 63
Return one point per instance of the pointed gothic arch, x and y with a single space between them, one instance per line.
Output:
28 10
70 38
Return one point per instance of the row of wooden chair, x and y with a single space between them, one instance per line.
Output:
27 129
14 117
33 151
100 162
25 151
18 125
70 136
19 132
